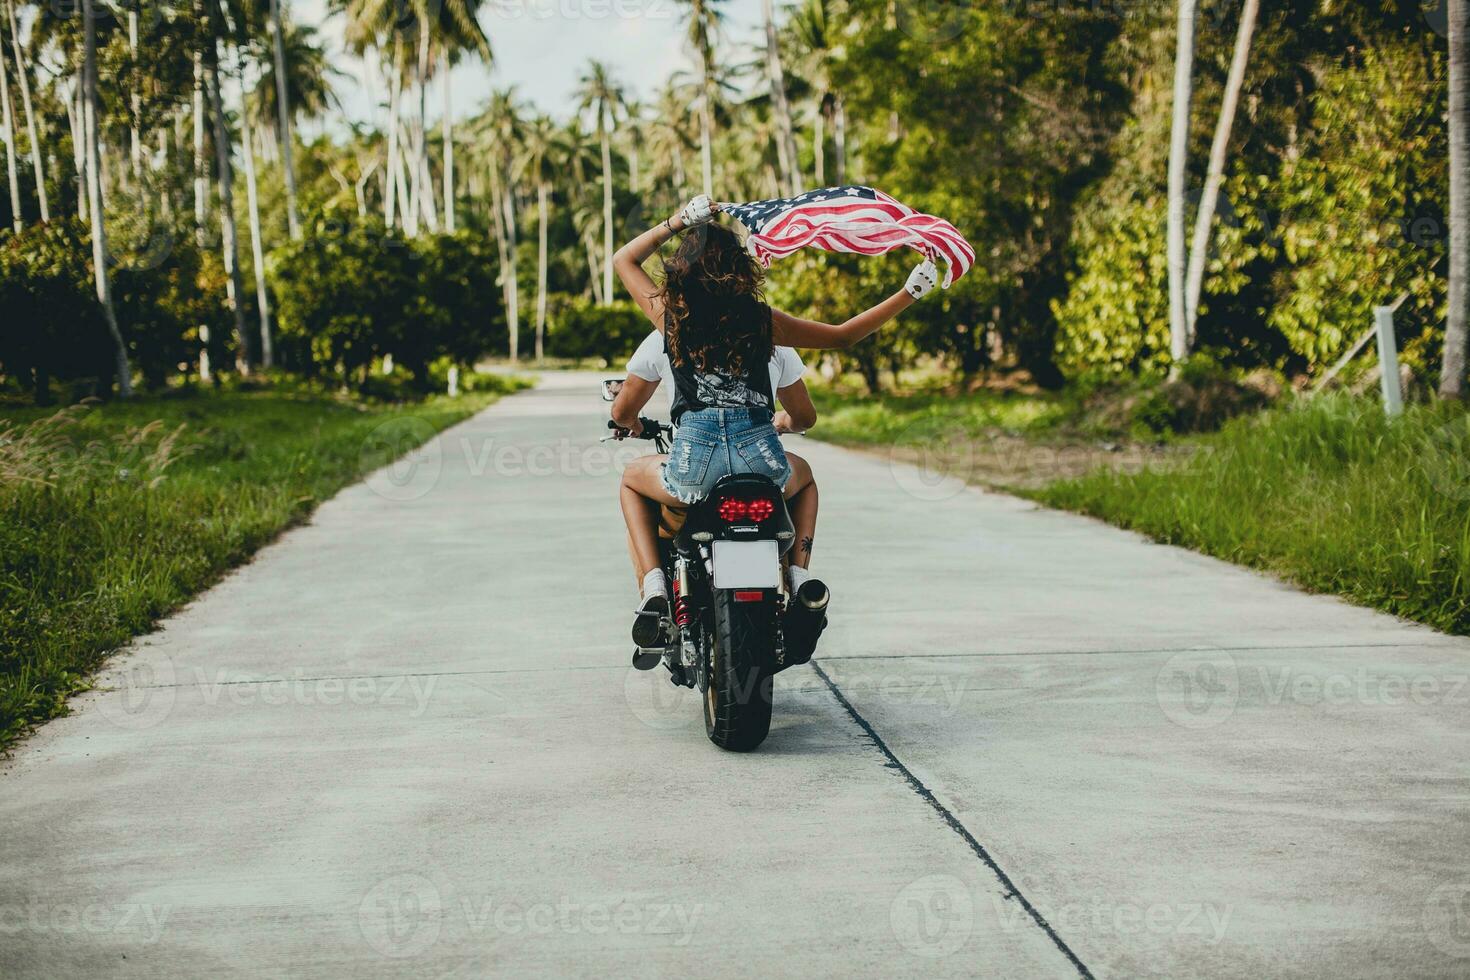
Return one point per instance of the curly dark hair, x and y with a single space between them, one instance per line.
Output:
716 317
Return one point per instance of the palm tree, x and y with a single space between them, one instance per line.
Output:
9 123
579 153
1178 176
668 137
23 73
306 88
503 126
604 97
368 24
283 116
779 106
1456 334
1200 248
224 174
814 39
461 34
94 196
257 252
539 147
704 28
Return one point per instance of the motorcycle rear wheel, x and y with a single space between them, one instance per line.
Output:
737 705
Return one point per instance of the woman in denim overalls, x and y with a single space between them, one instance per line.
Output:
720 335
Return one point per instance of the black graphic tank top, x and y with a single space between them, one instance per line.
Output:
695 389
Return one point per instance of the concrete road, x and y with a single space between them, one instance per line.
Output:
404 741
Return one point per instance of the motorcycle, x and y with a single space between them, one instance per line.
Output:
732 627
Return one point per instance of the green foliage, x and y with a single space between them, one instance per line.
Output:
55 327
350 293
110 517
1329 494
1365 206
578 328
994 117
1115 318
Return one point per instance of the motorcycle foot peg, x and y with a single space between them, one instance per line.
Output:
646 659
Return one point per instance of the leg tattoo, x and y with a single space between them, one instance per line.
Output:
806 545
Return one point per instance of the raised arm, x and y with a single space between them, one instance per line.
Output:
628 260
793 331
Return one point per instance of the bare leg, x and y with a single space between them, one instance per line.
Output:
641 493
801 502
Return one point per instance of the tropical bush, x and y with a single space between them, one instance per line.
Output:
351 293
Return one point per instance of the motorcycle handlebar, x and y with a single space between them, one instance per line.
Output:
652 429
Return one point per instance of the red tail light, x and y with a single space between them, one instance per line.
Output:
733 509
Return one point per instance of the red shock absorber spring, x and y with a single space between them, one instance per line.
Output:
681 608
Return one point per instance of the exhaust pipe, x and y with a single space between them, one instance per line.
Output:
806 617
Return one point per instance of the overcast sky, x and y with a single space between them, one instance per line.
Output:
543 46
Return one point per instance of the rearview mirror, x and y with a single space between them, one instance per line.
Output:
610 388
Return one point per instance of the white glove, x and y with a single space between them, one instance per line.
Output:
697 212
924 278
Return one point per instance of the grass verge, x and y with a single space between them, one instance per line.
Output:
1329 494
115 515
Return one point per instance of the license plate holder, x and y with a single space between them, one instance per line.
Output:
747 564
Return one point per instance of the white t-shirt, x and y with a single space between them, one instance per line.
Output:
651 363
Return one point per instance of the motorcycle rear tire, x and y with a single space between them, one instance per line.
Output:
737 706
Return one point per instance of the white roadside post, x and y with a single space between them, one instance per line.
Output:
1388 361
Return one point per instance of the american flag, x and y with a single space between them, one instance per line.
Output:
849 219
